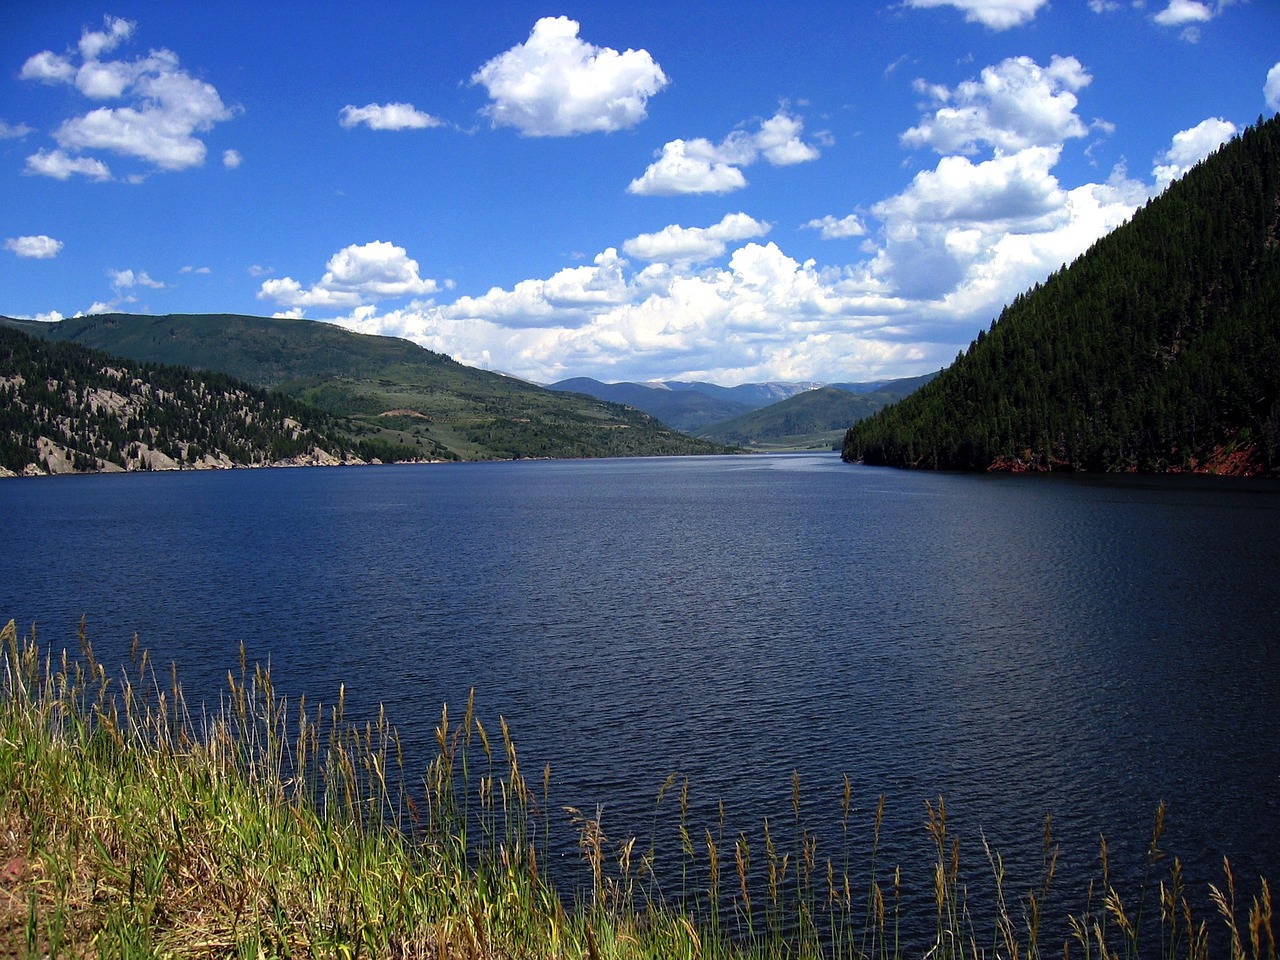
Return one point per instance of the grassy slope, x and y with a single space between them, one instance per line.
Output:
476 414
264 351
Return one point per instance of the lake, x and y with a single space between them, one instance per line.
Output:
1081 646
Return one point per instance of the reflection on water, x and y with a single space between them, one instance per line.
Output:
1085 647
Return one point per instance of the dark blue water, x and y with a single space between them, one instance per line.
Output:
1085 647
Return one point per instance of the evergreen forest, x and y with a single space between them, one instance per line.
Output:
1157 350
66 408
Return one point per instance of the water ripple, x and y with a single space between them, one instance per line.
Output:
1080 647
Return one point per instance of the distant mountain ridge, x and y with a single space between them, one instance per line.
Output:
1156 350
755 395
816 418
701 408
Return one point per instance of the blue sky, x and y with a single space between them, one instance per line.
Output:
686 190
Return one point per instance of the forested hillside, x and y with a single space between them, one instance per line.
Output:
65 408
1157 350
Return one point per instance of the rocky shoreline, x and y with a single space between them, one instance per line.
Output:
57 460
1234 460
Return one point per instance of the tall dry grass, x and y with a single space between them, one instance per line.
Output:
131 825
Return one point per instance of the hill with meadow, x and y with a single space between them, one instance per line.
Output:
1157 350
380 390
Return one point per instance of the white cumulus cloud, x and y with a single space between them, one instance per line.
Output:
1014 189
1191 146
700 166
1179 13
1189 15
38 247
950 218
1271 90
995 14
165 107
568 298
763 316
355 275
832 228
94 43
231 159
13 131
288 292
60 166
778 139
688 166
124 279
676 244
952 249
1010 106
387 116
48 67
555 84
936 261
941 259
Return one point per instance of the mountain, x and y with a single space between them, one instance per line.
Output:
685 410
266 352
1158 349
754 395
697 407
382 387
65 408
816 418
890 390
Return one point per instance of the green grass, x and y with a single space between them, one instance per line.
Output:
131 826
